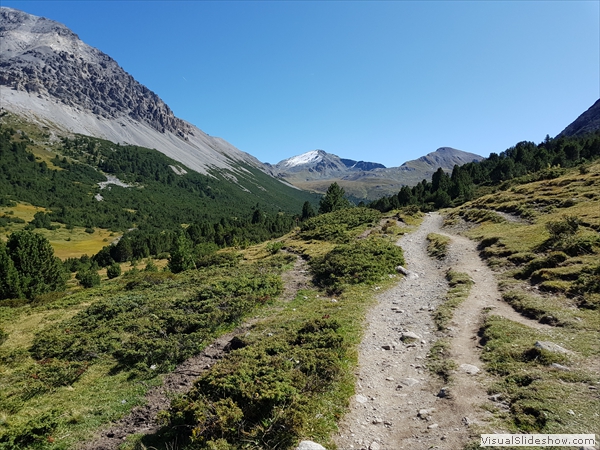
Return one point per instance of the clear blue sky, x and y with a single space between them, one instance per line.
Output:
376 81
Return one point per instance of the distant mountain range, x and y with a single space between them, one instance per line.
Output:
317 169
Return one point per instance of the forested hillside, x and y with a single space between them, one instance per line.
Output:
526 160
154 191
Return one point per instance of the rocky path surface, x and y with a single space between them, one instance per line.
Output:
398 403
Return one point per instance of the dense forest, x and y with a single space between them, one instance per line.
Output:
525 161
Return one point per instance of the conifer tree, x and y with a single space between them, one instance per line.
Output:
9 277
33 258
333 200
182 257
307 211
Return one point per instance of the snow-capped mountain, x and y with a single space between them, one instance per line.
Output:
317 169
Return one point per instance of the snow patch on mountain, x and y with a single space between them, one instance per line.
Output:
305 158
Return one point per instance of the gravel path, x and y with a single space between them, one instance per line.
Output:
397 405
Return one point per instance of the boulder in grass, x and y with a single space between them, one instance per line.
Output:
309 445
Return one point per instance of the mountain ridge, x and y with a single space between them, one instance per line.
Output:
51 77
588 121
316 169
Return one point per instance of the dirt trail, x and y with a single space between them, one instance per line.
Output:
398 405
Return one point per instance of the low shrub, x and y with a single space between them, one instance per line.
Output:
337 226
88 278
261 393
113 271
364 261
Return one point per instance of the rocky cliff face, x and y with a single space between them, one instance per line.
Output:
45 58
50 77
587 122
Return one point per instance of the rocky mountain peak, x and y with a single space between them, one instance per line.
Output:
587 122
45 58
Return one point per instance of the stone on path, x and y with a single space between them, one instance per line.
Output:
409 336
469 368
408 382
361 399
310 445
374 446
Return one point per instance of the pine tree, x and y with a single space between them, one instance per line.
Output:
33 257
333 200
9 277
181 256
307 211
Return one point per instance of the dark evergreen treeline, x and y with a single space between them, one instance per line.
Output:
204 237
524 159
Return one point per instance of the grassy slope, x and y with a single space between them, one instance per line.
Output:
561 291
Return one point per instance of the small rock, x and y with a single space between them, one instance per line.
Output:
386 347
409 336
374 446
444 392
424 413
409 382
402 270
570 411
496 397
361 398
550 347
469 368
387 423
389 379
467 421
377 420
433 426
310 445
560 367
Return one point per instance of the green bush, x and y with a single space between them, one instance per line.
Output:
140 330
261 392
113 271
274 247
88 278
364 261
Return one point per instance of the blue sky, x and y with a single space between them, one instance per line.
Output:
376 81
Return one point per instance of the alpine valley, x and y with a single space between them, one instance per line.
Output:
162 289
